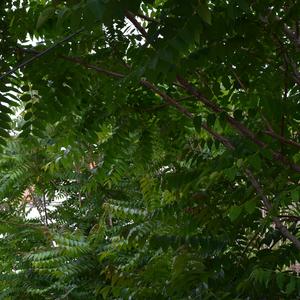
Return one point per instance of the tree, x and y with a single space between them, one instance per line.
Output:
170 130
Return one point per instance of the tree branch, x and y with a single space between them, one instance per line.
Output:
93 67
215 108
39 54
281 138
131 17
234 123
149 19
184 111
291 35
290 218
284 231
45 209
151 87
273 134
239 80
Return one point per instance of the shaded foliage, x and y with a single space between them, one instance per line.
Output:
158 142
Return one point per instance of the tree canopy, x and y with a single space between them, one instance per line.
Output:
158 142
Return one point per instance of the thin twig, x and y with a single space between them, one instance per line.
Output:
273 134
239 80
93 67
158 107
45 209
40 54
281 139
149 19
284 231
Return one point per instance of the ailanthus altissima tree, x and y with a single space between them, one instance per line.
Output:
158 142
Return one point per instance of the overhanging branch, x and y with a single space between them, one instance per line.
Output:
151 87
243 130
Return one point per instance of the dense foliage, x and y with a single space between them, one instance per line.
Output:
158 141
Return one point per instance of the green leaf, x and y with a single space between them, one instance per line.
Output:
25 97
5 118
204 13
5 109
28 106
255 161
223 119
105 291
211 119
291 286
238 114
28 116
45 16
198 123
280 280
295 195
240 163
267 154
4 125
4 133
234 212
230 173
2 142
97 9
244 4
250 206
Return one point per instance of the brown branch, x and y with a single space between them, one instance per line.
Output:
234 123
273 134
92 67
184 111
163 95
45 209
215 108
131 17
281 139
166 97
184 84
211 105
284 231
288 62
290 218
171 101
149 19
282 123
239 80
158 107
291 35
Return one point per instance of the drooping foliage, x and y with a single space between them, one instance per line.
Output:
157 142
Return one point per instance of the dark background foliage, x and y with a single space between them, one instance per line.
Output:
158 142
